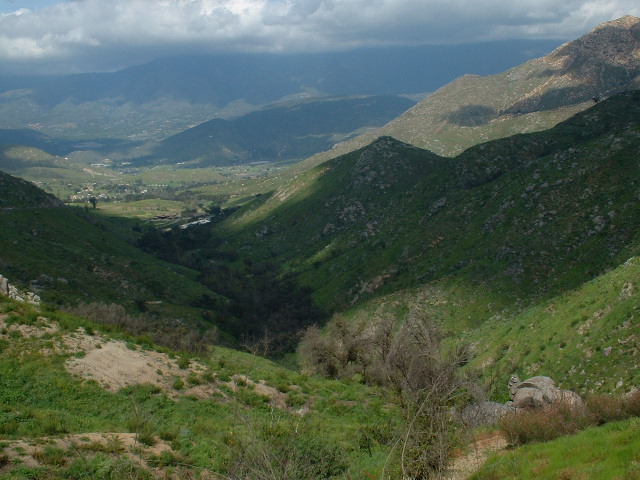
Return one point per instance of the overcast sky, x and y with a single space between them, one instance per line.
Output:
92 35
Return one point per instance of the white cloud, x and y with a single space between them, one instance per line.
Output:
90 28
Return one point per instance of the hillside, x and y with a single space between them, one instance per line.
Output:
67 255
279 133
530 97
83 400
20 194
391 215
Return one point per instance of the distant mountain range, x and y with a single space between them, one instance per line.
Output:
530 97
279 133
158 99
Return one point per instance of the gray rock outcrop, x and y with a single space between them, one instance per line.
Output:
11 291
540 391
534 392
484 413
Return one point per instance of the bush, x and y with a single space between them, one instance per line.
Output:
284 450
633 404
50 455
178 383
544 424
539 425
606 408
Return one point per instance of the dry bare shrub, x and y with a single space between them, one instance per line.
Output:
430 386
607 408
174 334
633 403
543 424
410 360
320 354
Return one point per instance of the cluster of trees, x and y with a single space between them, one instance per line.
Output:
263 306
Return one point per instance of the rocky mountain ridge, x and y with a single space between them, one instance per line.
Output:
391 213
531 97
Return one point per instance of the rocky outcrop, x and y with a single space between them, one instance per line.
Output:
484 413
534 392
11 291
538 392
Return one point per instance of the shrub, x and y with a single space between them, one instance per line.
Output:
178 383
284 450
606 408
633 404
543 424
194 379
183 362
50 455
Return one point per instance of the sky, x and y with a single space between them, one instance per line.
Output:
72 36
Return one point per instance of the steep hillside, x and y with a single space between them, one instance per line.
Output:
20 194
82 400
527 98
279 133
521 217
68 255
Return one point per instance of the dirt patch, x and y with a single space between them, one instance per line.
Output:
115 364
32 453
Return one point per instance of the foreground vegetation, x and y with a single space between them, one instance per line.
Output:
237 431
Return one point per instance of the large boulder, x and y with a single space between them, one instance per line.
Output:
540 391
484 413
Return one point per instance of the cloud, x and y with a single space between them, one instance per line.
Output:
82 34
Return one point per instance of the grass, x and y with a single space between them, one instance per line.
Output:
566 337
598 453
39 398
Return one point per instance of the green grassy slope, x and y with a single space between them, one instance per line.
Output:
70 255
608 452
18 193
586 339
236 422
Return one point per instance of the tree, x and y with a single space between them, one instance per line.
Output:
93 201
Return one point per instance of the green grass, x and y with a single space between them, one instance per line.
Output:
39 398
608 452
74 255
568 336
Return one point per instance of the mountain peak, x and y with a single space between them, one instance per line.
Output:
614 43
531 97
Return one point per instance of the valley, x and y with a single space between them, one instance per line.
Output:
315 284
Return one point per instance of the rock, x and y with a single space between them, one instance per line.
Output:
514 381
4 286
11 291
540 391
484 413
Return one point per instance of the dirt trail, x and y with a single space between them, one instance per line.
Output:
466 465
